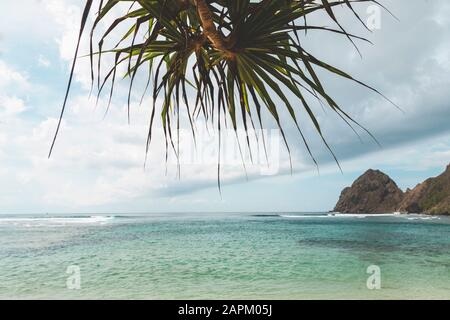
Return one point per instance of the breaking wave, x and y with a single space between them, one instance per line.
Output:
70 220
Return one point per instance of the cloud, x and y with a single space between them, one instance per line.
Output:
43 61
10 106
10 77
97 162
408 63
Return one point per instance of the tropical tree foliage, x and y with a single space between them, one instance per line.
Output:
236 57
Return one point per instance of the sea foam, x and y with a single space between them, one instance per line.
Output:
38 221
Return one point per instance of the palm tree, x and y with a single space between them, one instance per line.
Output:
236 57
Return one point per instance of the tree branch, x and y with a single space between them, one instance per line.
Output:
209 28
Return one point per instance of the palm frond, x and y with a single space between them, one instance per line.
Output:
246 56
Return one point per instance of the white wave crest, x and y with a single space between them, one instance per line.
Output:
338 215
56 221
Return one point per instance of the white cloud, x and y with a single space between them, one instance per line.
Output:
43 61
12 81
66 16
10 77
98 162
11 106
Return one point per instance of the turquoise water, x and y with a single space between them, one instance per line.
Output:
225 256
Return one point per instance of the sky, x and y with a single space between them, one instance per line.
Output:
98 162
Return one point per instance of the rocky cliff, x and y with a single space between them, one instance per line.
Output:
431 196
373 192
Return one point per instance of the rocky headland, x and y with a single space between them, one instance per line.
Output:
375 192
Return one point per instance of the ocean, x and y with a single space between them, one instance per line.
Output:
225 256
